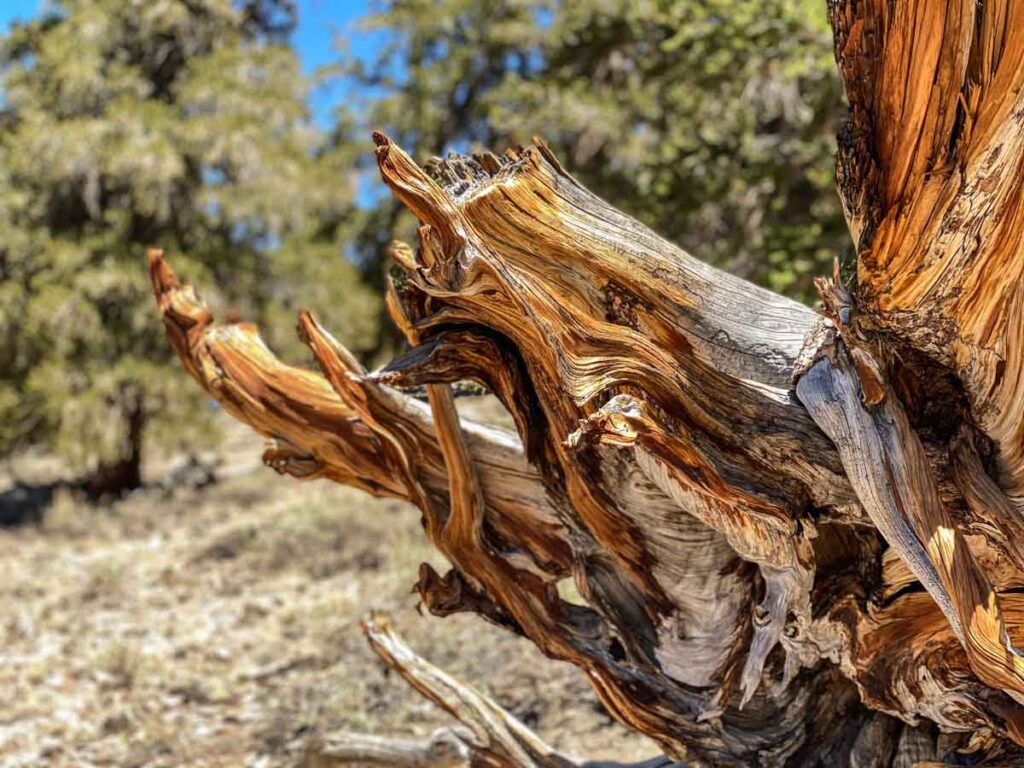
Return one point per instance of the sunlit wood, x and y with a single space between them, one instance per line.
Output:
797 535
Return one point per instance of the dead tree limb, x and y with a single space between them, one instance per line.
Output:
797 535
490 735
446 748
487 735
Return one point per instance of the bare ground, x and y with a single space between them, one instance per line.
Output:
218 626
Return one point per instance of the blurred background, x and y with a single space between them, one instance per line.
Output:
164 602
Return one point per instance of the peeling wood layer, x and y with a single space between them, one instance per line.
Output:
931 166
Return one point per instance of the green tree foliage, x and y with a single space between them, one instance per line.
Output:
711 121
133 123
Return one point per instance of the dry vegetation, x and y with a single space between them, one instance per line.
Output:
218 626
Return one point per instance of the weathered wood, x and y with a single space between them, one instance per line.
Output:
446 748
931 167
487 735
491 736
797 536
885 461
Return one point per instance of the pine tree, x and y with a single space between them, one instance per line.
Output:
712 122
132 124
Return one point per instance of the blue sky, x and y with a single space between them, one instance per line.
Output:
319 22
12 10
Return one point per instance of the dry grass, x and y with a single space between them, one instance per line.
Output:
219 627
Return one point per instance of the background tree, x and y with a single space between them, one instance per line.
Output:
130 123
711 122
127 124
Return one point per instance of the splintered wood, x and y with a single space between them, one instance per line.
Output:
797 535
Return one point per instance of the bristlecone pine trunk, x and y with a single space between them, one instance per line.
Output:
798 535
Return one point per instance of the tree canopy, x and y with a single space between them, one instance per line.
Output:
711 122
130 124
186 126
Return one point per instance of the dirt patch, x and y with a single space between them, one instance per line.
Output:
219 627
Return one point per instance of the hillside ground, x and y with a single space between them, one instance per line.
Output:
218 626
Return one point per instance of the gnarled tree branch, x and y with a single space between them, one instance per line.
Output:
787 529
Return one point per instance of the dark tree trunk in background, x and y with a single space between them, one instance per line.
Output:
123 474
798 536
